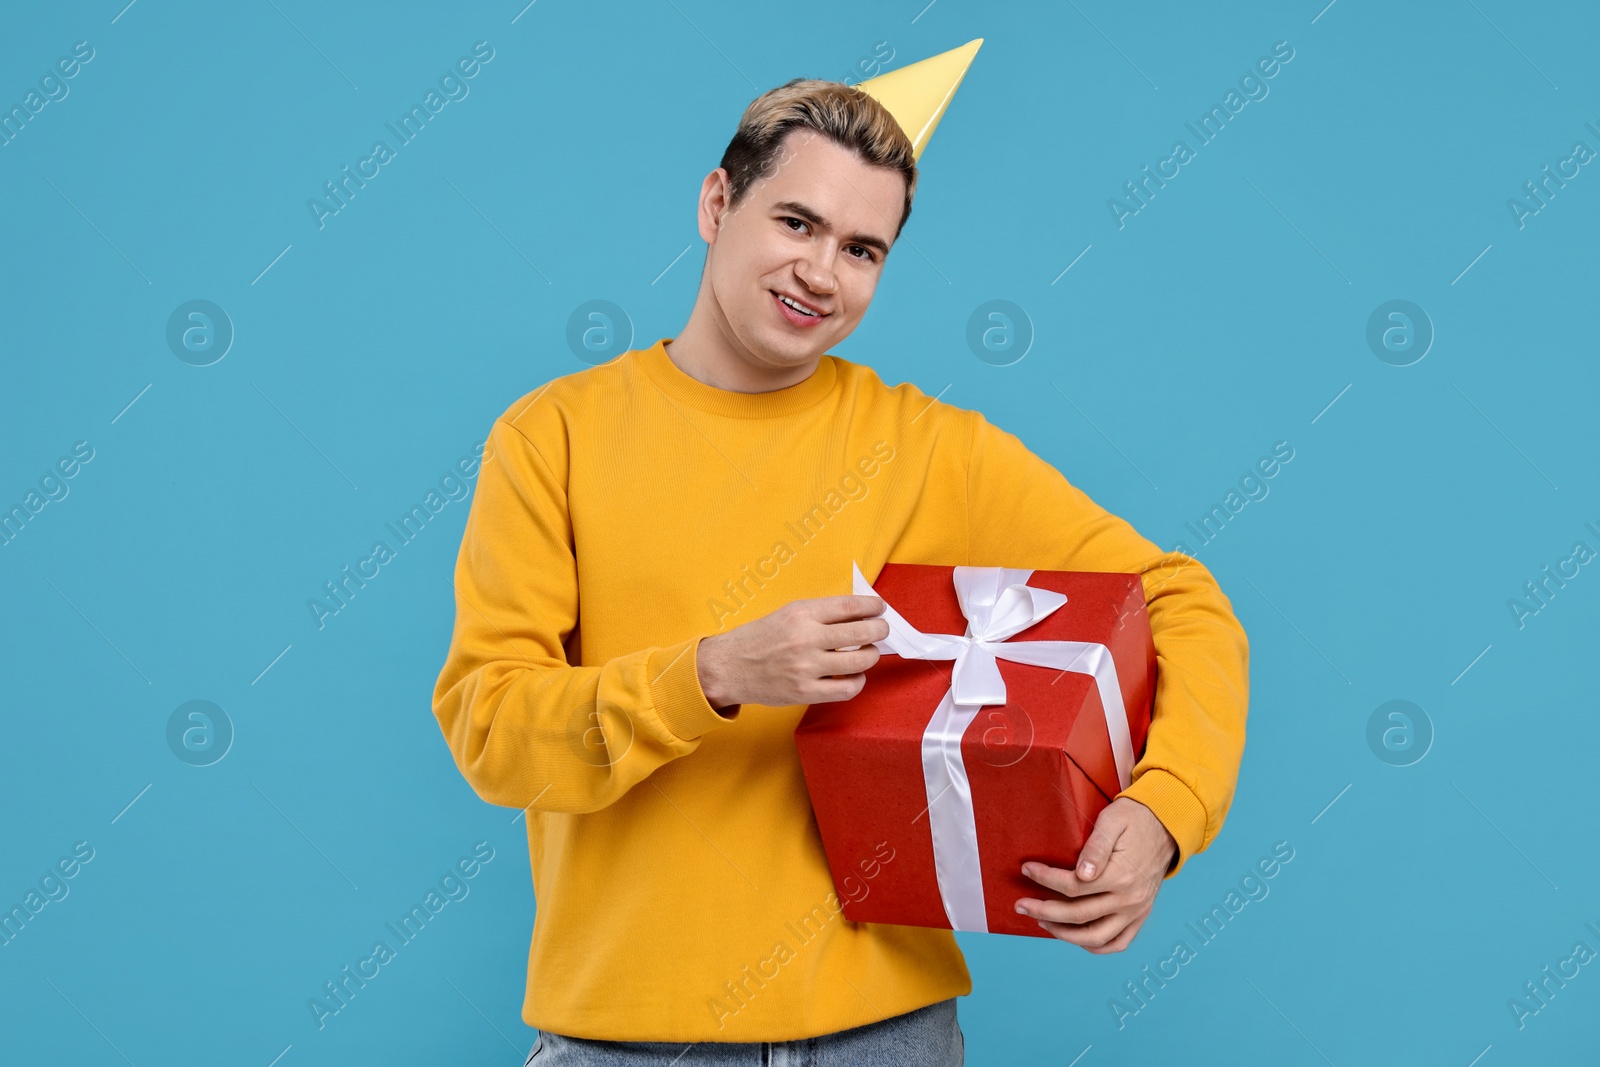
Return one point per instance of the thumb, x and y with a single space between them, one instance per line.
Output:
1097 850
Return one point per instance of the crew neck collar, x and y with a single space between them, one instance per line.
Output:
680 386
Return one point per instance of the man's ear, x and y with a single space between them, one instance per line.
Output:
713 204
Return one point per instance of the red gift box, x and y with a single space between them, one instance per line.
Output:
1035 768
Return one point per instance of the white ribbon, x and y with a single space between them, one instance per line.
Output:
997 603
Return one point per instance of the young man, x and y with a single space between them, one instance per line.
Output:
649 595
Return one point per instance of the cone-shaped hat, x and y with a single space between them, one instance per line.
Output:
918 94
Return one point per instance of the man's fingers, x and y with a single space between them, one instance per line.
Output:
835 664
829 690
846 635
847 607
1078 911
1091 936
1121 941
1062 879
1102 841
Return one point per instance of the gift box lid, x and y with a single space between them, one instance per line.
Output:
1059 710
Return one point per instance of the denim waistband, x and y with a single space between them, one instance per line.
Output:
927 1037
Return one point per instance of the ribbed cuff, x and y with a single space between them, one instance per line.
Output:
674 674
1179 810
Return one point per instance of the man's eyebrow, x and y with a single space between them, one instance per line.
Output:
796 208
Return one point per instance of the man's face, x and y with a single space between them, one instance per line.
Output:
816 229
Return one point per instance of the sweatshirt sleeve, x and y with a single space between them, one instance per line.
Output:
528 729
1022 512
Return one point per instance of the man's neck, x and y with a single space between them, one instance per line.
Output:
711 357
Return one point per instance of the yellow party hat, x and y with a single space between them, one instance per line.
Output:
917 95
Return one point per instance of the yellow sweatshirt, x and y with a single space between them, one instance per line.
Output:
624 512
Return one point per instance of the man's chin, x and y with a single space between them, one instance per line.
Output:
790 351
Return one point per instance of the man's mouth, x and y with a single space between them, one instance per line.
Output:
796 311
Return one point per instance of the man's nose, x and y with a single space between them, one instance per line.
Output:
816 270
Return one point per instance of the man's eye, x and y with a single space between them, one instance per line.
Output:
865 254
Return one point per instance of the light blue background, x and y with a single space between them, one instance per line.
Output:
1228 315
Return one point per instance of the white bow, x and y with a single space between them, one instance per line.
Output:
997 603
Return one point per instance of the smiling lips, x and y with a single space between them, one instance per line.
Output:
789 307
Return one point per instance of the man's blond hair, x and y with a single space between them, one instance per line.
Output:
842 113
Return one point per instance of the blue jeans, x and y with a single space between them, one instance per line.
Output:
927 1037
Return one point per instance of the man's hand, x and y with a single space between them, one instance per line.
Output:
791 657
1111 891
